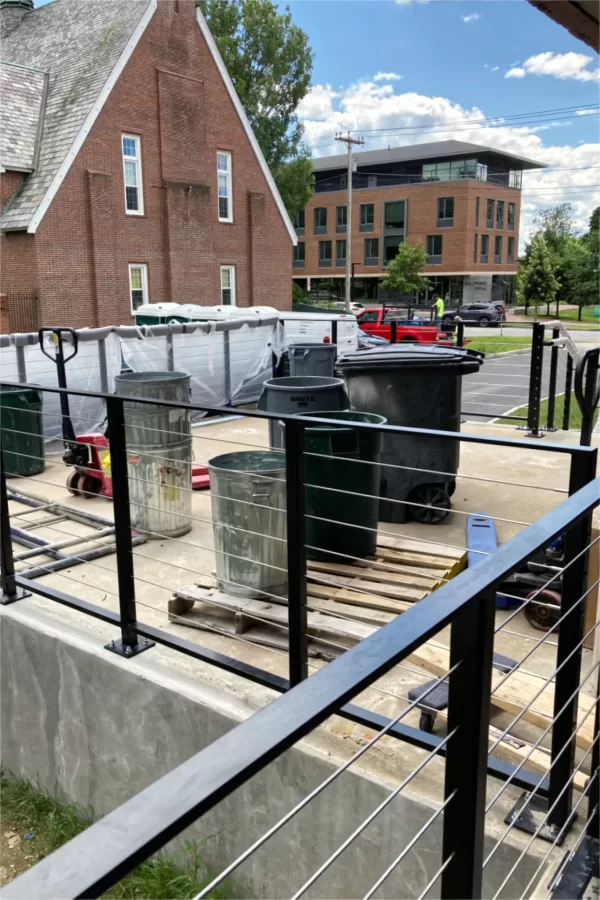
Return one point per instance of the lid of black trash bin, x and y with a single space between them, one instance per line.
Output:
419 357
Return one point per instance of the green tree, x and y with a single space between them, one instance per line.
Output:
585 269
595 220
270 63
538 282
404 272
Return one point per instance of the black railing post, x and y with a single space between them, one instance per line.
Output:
587 391
460 333
9 590
550 426
569 652
535 381
129 644
296 551
471 647
334 331
568 389
393 331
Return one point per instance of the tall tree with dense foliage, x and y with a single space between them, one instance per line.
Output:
270 63
538 282
404 272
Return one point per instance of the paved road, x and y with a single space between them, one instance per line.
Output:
500 385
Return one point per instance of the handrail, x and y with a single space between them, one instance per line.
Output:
96 859
457 436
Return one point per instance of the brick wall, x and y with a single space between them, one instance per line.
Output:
171 94
421 221
9 182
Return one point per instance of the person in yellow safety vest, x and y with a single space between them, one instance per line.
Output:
438 308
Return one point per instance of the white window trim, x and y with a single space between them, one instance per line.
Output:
228 154
144 268
138 160
231 269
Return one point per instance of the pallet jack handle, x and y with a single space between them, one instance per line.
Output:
587 391
59 358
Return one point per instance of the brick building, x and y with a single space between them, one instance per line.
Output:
129 171
462 201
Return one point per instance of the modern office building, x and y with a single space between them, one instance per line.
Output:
461 200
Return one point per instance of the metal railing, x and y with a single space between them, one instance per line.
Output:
468 671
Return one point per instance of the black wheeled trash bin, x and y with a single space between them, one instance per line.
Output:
415 387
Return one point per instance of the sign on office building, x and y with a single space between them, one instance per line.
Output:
477 289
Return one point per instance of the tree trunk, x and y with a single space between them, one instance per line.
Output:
579 312
557 309
548 309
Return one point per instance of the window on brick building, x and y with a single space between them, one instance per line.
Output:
324 254
475 249
485 246
138 285
320 220
367 217
132 174
445 212
340 253
299 258
511 216
228 285
500 214
510 257
371 252
341 219
434 249
498 250
300 222
224 185
477 212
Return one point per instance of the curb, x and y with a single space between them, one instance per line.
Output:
520 352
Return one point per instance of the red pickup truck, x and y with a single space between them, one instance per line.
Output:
377 320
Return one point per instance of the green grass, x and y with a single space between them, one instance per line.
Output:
570 315
499 343
574 413
30 809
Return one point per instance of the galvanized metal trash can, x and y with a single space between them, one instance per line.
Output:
415 387
295 395
159 453
312 359
248 498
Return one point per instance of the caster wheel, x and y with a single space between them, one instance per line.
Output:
426 721
451 487
542 618
73 483
89 486
436 504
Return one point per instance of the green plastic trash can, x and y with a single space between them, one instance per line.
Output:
345 524
22 430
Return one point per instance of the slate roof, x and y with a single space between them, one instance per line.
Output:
22 93
78 42
431 150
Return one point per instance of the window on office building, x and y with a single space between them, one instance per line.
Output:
299 258
511 216
321 220
445 212
341 219
484 248
500 214
510 253
498 249
372 252
367 217
340 253
489 218
324 254
434 249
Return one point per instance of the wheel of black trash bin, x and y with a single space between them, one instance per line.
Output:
436 504
451 487
426 722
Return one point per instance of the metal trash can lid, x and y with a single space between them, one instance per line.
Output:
303 382
421 357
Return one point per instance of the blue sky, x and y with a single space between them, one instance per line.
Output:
436 69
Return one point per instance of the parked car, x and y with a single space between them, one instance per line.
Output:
378 321
483 314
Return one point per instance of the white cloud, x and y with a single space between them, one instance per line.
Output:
572 66
366 106
472 17
486 66
494 68
387 76
406 2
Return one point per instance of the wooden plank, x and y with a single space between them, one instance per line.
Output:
353 598
516 693
360 613
411 545
360 585
421 563
369 573
276 613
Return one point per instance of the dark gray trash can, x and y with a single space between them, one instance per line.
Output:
295 395
416 387
312 359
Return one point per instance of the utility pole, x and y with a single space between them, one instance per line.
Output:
349 141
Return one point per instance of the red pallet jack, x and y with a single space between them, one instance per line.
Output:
89 454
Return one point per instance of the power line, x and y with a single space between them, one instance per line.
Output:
538 117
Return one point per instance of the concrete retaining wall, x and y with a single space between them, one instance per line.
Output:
97 729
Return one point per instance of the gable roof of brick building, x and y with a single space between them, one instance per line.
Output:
78 49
